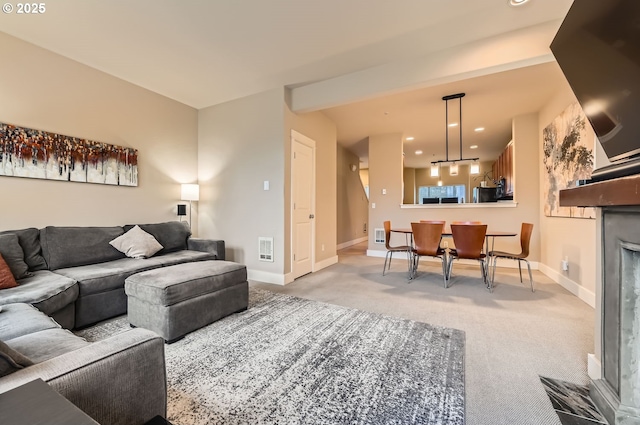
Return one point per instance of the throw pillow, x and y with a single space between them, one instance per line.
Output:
136 243
11 360
6 277
14 255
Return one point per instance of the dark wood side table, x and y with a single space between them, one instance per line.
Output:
158 420
36 403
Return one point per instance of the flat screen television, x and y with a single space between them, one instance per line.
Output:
598 50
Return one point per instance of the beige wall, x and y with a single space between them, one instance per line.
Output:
42 90
240 146
352 201
243 143
566 237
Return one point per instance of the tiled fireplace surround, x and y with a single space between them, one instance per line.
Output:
617 394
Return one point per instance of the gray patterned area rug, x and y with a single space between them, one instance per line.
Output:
288 360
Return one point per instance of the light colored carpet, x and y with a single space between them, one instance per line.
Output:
512 335
288 360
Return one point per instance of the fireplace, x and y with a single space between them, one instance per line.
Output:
617 393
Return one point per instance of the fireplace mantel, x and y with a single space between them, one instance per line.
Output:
616 192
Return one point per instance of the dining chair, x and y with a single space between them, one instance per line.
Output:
525 239
466 222
426 242
392 249
469 240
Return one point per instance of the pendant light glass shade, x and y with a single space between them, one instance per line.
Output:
453 169
435 170
475 168
439 182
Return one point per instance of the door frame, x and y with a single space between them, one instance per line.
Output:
301 138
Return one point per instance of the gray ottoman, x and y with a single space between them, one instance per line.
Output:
173 301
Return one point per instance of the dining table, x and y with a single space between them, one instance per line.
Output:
493 234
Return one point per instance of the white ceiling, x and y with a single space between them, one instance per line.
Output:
203 53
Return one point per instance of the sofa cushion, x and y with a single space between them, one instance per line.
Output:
30 242
46 344
136 243
48 291
11 360
76 246
172 235
103 277
13 254
21 319
6 277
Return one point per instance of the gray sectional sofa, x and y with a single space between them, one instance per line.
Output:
76 278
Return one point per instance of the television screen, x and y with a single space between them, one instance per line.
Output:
598 50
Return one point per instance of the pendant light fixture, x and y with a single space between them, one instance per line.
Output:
453 168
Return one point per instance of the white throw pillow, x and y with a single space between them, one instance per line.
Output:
136 243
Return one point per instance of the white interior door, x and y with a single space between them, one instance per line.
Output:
303 204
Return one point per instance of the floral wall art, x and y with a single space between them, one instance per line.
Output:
38 154
568 157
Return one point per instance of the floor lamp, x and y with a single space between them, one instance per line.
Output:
190 192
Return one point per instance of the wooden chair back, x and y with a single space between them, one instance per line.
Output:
387 234
466 222
426 237
525 238
469 240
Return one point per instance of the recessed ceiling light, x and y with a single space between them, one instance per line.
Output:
479 129
517 2
409 138
418 152
453 124
473 147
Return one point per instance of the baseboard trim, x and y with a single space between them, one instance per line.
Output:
267 277
325 263
351 243
584 294
284 279
594 367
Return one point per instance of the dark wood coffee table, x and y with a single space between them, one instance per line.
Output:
158 420
36 403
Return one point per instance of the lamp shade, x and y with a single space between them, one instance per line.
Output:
435 170
475 168
453 169
190 192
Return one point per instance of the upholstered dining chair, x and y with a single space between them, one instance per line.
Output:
525 239
469 240
426 242
392 249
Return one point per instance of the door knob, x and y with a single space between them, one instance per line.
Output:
312 216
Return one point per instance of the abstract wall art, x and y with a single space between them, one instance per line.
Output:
38 154
568 157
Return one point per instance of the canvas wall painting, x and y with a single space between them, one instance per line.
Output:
38 154
568 157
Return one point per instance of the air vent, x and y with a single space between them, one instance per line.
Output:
265 249
379 236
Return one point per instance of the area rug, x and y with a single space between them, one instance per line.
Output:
288 360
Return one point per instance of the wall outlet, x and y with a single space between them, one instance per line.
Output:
373 205
445 244
565 264
323 247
